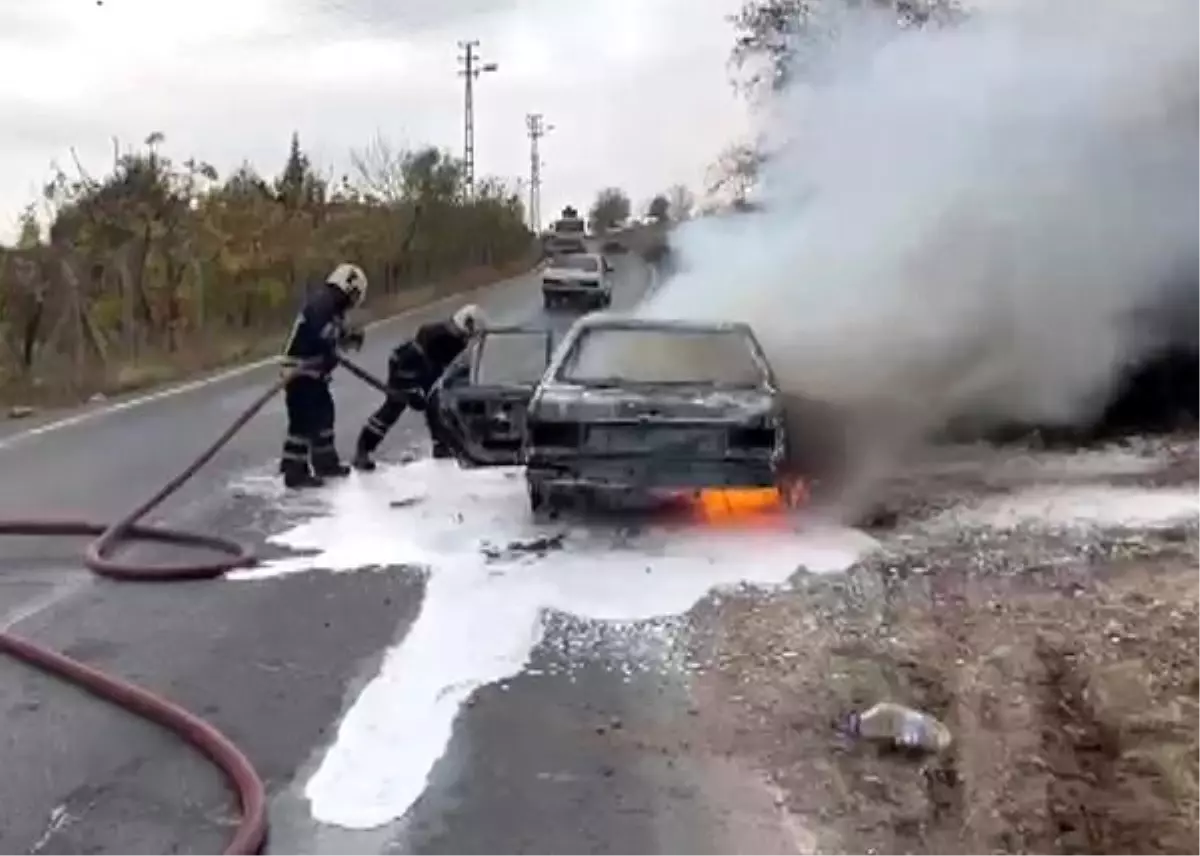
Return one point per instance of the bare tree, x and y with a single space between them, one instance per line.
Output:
380 170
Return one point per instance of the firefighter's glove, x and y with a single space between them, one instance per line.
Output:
416 399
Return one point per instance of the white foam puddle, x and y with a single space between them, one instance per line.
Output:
484 607
1089 505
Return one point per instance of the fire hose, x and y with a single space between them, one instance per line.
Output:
100 559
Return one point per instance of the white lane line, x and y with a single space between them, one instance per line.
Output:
229 374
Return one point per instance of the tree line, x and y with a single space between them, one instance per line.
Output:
612 207
161 265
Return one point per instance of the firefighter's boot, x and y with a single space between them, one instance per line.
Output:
294 466
327 465
296 475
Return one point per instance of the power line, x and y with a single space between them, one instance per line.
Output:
470 70
536 129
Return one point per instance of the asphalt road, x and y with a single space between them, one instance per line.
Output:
274 663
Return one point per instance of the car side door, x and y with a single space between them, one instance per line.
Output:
484 405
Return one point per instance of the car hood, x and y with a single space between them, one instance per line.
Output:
654 404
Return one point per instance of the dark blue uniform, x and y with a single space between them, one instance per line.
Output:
413 369
308 450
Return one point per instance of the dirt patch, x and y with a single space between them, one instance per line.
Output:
1063 659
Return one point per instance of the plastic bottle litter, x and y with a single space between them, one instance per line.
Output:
900 726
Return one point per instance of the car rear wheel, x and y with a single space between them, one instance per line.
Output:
542 498
537 495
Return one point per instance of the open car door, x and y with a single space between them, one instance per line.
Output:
483 398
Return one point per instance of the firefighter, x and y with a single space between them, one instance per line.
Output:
414 367
309 453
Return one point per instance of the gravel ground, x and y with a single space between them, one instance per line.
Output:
1043 605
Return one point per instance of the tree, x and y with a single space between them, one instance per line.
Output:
611 208
659 208
29 234
298 186
380 172
777 40
736 172
680 203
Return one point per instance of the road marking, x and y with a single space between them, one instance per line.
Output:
228 374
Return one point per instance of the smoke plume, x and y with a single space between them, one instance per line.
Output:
963 222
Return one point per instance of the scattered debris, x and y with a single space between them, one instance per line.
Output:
900 727
533 547
407 502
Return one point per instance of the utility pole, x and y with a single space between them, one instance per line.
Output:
470 70
536 130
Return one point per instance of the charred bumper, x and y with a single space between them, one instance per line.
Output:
642 458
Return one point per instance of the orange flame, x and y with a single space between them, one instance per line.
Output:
729 504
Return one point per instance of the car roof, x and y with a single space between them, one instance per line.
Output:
619 321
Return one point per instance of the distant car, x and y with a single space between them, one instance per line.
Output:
563 245
645 408
483 396
579 279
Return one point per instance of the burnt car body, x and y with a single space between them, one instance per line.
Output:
632 408
482 397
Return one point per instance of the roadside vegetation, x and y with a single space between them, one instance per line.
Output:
163 267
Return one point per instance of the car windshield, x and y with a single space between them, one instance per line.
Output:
588 264
517 357
614 356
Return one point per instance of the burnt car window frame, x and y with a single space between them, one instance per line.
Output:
478 344
575 336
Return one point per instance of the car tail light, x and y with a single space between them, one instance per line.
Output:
555 434
752 438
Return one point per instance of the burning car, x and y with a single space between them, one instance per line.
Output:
640 409
483 396
580 278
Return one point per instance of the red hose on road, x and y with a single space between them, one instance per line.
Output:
252 830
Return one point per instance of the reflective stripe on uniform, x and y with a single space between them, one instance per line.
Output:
376 426
295 448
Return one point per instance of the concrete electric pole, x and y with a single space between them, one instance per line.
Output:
470 70
536 129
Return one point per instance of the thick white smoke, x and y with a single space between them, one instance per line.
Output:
963 221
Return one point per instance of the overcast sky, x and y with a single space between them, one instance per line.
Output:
637 90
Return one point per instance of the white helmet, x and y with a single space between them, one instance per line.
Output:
349 279
469 319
